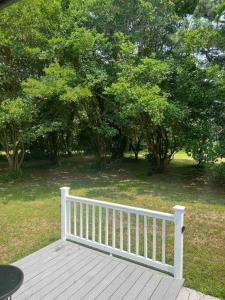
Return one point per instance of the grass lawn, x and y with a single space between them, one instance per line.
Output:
30 208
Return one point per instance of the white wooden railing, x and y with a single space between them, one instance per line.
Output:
94 223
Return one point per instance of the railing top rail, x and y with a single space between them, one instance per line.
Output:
126 208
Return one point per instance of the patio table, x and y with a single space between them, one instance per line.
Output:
11 279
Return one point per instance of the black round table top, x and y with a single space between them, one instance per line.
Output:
11 279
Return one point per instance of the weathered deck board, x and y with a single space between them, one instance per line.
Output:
138 286
100 283
65 270
127 285
149 288
189 294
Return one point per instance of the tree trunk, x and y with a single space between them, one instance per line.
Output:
54 154
135 146
161 146
14 154
119 143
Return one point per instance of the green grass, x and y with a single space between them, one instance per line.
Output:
30 208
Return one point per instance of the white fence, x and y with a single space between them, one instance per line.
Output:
123 230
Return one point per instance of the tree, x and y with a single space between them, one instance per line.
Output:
57 96
114 72
15 131
132 28
26 28
200 80
140 90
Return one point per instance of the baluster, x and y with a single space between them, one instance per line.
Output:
69 217
121 230
137 234
154 239
114 229
106 226
87 221
75 217
163 241
128 232
145 237
81 220
100 226
93 223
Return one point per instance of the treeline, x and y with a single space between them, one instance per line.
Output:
104 76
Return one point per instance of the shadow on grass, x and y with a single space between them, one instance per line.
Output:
121 181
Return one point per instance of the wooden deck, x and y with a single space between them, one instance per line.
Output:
65 270
189 294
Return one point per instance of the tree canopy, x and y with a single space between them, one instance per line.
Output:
106 76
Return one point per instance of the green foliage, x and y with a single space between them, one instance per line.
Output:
218 171
145 101
13 112
138 90
16 131
112 71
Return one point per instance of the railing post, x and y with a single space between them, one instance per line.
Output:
178 241
64 194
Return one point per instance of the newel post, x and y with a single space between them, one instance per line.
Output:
178 241
64 194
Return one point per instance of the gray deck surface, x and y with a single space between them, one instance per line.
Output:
65 270
189 294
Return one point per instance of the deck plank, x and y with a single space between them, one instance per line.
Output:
138 286
207 297
190 294
63 280
36 283
194 295
116 283
183 295
71 278
66 270
25 261
127 285
83 281
173 289
89 286
102 284
56 279
162 288
53 258
149 288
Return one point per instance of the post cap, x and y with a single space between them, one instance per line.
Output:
65 188
179 207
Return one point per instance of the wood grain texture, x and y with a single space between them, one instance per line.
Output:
66 270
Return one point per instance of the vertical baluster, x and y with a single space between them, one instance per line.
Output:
121 230
114 229
93 223
106 226
87 221
75 217
69 217
137 234
163 241
154 239
100 226
145 237
81 220
128 232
